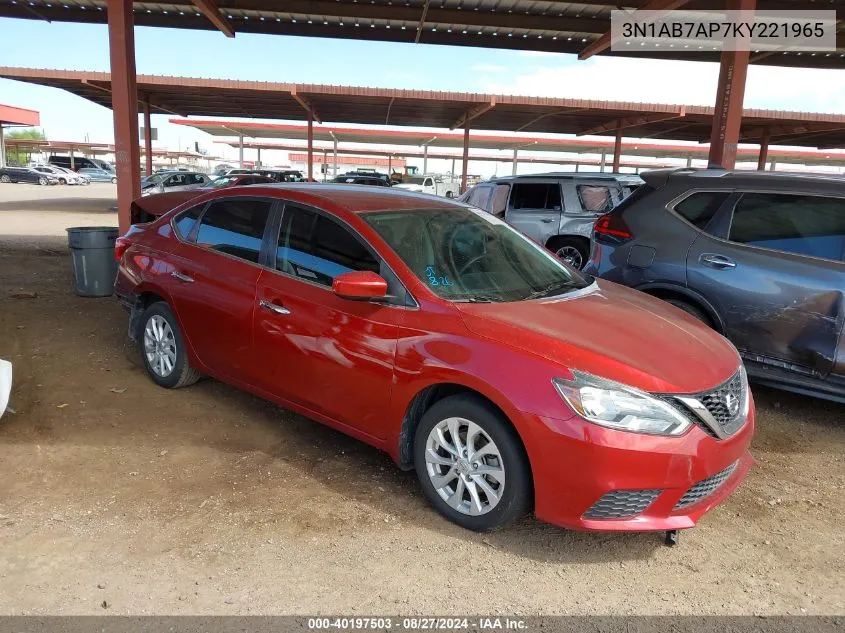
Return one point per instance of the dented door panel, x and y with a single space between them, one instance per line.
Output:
778 308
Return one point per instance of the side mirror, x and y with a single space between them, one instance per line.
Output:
360 285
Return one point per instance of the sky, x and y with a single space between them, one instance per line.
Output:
67 46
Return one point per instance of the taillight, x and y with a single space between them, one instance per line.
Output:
120 246
612 226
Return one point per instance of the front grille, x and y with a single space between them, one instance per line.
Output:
620 504
705 487
720 412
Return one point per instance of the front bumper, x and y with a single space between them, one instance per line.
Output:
576 463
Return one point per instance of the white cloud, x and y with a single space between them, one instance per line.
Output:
687 83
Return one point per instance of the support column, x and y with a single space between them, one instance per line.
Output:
334 166
689 161
324 168
617 149
124 99
72 161
764 151
465 161
577 165
603 162
772 166
148 139
310 145
515 161
258 158
727 115
453 168
425 159
389 165
241 151
2 149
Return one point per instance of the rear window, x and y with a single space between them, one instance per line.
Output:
185 222
595 198
700 207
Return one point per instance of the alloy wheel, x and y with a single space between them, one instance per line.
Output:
160 346
465 466
571 256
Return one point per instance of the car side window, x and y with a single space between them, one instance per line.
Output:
531 195
235 227
314 247
700 207
805 225
595 198
428 183
185 222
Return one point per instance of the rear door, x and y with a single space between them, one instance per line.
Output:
331 355
213 282
773 269
535 208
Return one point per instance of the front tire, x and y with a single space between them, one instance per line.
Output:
62 181
471 464
5 179
114 181
163 348
42 181
693 311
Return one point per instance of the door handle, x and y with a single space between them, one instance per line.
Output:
182 277
547 220
273 307
716 261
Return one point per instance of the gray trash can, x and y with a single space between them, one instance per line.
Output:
94 267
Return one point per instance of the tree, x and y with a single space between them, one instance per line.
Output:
21 156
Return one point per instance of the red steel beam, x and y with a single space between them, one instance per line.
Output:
210 11
604 41
617 149
727 115
124 98
310 145
474 113
764 152
465 161
148 138
636 121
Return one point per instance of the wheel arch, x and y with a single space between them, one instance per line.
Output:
662 290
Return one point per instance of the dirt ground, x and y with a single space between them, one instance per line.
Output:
120 497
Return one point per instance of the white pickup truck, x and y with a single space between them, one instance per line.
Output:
435 185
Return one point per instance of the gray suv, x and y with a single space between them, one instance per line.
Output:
557 210
756 255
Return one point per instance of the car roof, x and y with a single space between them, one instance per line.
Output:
573 175
745 178
353 198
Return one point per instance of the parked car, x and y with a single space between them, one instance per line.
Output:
557 209
173 181
98 175
81 178
757 256
438 333
63 177
434 185
80 162
277 175
26 174
361 179
148 208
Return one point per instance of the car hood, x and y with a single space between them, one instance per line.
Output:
614 332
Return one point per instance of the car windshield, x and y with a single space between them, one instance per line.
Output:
223 181
467 255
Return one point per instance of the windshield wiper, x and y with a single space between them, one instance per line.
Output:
480 299
552 289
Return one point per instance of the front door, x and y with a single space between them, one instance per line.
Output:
332 355
535 209
777 280
213 282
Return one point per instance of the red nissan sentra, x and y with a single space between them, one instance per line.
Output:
441 335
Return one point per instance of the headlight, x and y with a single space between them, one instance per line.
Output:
619 406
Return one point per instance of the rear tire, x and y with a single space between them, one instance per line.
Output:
575 251
692 310
62 181
163 349
5 179
485 442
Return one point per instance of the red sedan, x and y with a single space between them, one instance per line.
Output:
439 334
